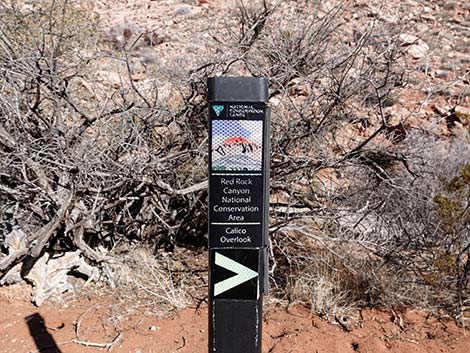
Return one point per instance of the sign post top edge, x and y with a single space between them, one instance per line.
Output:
237 89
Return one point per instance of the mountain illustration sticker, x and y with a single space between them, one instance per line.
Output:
237 145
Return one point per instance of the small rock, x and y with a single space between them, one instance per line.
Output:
275 101
110 78
407 39
183 10
428 17
422 28
441 74
153 328
463 113
390 19
418 51
137 67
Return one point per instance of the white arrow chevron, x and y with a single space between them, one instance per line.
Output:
243 274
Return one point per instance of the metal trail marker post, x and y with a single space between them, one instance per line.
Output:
238 212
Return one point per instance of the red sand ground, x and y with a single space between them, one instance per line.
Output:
285 330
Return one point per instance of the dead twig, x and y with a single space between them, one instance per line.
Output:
108 345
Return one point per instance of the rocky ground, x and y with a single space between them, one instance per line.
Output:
434 34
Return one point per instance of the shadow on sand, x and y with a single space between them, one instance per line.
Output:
42 338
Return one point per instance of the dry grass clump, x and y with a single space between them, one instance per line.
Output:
151 279
157 285
336 278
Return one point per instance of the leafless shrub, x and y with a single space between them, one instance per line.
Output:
401 238
338 161
85 166
152 280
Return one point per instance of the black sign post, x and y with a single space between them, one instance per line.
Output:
238 212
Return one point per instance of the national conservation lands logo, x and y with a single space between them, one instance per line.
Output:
237 145
218 109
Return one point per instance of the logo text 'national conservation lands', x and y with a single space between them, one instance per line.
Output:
218 109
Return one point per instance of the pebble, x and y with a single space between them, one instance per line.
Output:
183 10
407 39
441 74
112 78
418 51
422 28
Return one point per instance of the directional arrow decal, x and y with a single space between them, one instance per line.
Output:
243 274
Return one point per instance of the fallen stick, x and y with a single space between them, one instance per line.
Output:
108 345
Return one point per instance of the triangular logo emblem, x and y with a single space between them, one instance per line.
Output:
218 109
242 274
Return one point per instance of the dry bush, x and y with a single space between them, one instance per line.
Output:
85 165
150 282
401 239
355 193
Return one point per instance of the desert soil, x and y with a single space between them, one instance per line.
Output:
101 319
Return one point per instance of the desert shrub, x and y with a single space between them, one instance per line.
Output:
359 208
400 238
85 165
